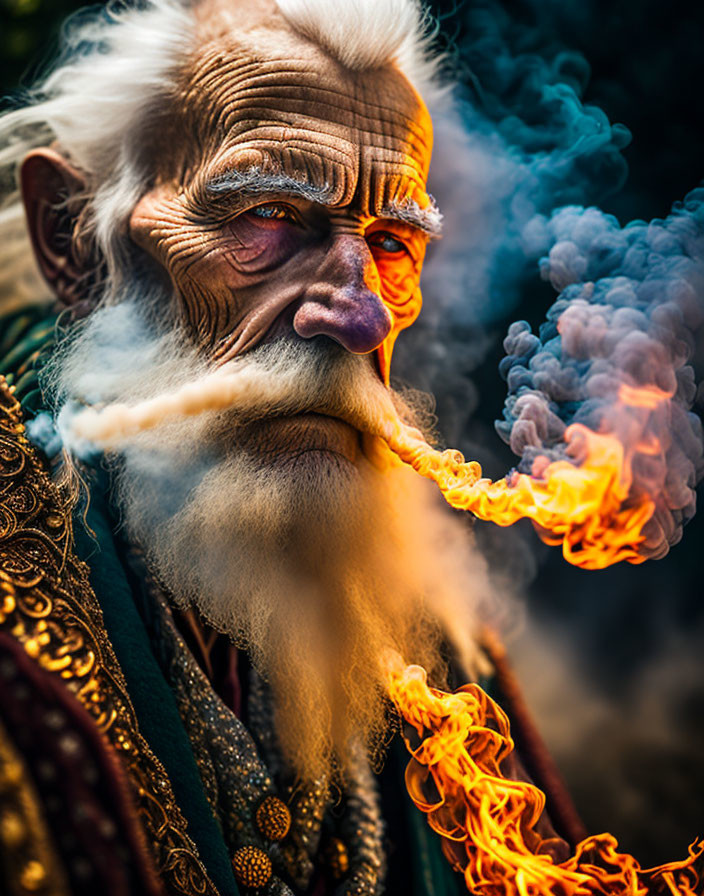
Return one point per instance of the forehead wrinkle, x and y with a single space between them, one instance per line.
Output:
304 162
298 118
262 55
328 171
329 103
255 182
313 128
230 78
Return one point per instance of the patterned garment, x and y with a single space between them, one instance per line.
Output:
241 770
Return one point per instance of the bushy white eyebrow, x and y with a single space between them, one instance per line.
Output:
428 219
255 182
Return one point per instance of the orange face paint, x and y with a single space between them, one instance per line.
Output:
399 288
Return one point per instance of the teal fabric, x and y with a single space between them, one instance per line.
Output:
431 874
25 334
162 727
151 697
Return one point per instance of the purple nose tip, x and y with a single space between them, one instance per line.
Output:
356 318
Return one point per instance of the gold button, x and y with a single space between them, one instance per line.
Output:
33 876
12 829
273 818
252 867
337 858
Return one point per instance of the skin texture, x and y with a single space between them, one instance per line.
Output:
249 266
321 248
323 251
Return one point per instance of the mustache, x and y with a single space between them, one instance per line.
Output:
279 379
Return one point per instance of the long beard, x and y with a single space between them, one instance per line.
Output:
317 566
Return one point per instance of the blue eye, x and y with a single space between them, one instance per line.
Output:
272 212
387 243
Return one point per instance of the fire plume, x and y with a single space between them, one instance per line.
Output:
587 500
487 822
587 506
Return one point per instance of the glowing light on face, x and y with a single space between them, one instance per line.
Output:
487 822
400 271
397 269
321 232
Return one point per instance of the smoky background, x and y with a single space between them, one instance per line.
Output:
612 662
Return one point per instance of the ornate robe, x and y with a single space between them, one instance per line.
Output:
124 767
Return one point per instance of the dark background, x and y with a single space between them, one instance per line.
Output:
612 661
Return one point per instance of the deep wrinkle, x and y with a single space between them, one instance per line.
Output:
347 152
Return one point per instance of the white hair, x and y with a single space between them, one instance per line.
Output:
117 67
316 565
368 34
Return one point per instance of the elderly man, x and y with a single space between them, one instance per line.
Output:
194 621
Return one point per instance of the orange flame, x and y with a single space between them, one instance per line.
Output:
588 507
487 822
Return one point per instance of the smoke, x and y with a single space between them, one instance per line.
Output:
520 141
631 300
632 750
272 381
316 562
515 141
609 626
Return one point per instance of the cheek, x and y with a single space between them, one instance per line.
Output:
399 291
236 286
227 279
399 276
220 287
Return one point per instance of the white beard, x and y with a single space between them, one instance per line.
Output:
314 564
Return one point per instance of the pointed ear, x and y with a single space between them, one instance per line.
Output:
53 192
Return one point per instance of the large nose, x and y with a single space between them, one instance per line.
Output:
344 301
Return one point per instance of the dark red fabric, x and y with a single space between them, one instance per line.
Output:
216 655
82 787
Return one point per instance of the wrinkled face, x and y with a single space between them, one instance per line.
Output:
292 199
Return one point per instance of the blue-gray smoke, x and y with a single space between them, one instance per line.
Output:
519 141
516 146
621 707
631 299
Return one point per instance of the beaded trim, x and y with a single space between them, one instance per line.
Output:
30 861
244 777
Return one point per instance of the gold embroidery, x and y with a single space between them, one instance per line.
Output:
48 605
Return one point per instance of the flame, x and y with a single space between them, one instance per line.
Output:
487 822
587 507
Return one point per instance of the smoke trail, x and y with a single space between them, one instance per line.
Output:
118 375
642 735
521 142
631 299
632 49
